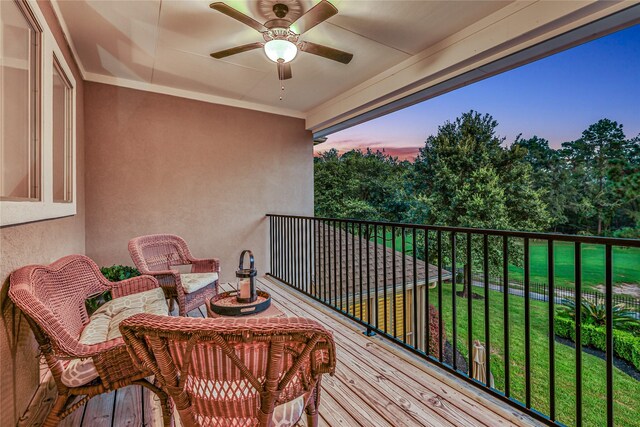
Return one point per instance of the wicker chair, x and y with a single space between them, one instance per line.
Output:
156 254
52 298
235 372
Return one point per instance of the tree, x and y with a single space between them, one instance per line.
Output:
550 176
624 179
465 177
595 157
360 185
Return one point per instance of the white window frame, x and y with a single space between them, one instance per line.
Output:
18 212
69 112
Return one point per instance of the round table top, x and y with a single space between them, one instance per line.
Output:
230 307
228 299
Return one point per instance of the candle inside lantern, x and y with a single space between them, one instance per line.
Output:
245 289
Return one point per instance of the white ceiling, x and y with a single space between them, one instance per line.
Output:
167 44
404 51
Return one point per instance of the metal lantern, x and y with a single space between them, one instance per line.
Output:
246 279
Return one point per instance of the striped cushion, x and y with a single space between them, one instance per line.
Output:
104 326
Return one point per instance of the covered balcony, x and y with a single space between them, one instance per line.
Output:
375 384
117 123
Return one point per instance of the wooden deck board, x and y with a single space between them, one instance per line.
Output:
385 366
99 411
375 384
128 407
368 371
74 419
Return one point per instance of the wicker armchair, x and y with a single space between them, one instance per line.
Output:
156 254
52 299
235 372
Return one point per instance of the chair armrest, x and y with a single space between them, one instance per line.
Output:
169 278
205 265
133 286
113 362
84 351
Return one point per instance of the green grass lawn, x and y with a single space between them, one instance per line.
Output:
626 389
408 240
626 263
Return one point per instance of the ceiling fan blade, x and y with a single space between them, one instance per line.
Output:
326 52
284 71
317 14
235 14
237 49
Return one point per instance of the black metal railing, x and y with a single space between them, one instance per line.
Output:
389 277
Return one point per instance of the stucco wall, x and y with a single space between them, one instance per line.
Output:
209 173
35 243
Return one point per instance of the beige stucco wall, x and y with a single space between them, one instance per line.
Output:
35 243
209 173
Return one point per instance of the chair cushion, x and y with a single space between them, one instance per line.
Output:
104 325
192 282
288 414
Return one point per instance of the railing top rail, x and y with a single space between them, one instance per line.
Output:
614 241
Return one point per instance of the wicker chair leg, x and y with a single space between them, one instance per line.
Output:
165 402
312 411
312 416
312 406
55 414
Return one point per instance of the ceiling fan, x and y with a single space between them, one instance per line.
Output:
281 44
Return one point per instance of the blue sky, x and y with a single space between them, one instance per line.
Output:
555 98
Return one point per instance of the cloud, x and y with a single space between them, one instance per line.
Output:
402 153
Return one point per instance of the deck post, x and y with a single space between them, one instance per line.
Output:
369 332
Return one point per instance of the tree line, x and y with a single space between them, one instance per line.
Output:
466 175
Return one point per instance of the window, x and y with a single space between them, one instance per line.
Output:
19 104
37 119
62 154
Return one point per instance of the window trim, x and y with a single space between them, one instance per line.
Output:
68 119
28 210
35 128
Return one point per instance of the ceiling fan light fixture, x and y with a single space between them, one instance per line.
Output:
280 50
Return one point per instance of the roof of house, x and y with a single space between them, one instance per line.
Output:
343 259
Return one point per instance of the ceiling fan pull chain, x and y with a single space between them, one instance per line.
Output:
281 91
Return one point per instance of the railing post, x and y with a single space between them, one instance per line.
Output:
427 303
578 316
487 335
552 349
505 296
441 320
608 299
469 284
454 319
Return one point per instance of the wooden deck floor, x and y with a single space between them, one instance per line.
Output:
375 385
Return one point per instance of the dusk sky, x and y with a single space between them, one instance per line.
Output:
554 98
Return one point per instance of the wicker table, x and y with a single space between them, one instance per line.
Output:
272 311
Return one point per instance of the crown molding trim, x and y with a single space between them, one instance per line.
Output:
197 96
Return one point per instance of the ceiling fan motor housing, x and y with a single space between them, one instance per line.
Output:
281 33
280 10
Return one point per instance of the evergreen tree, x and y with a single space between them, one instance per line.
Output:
465 177
597 157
